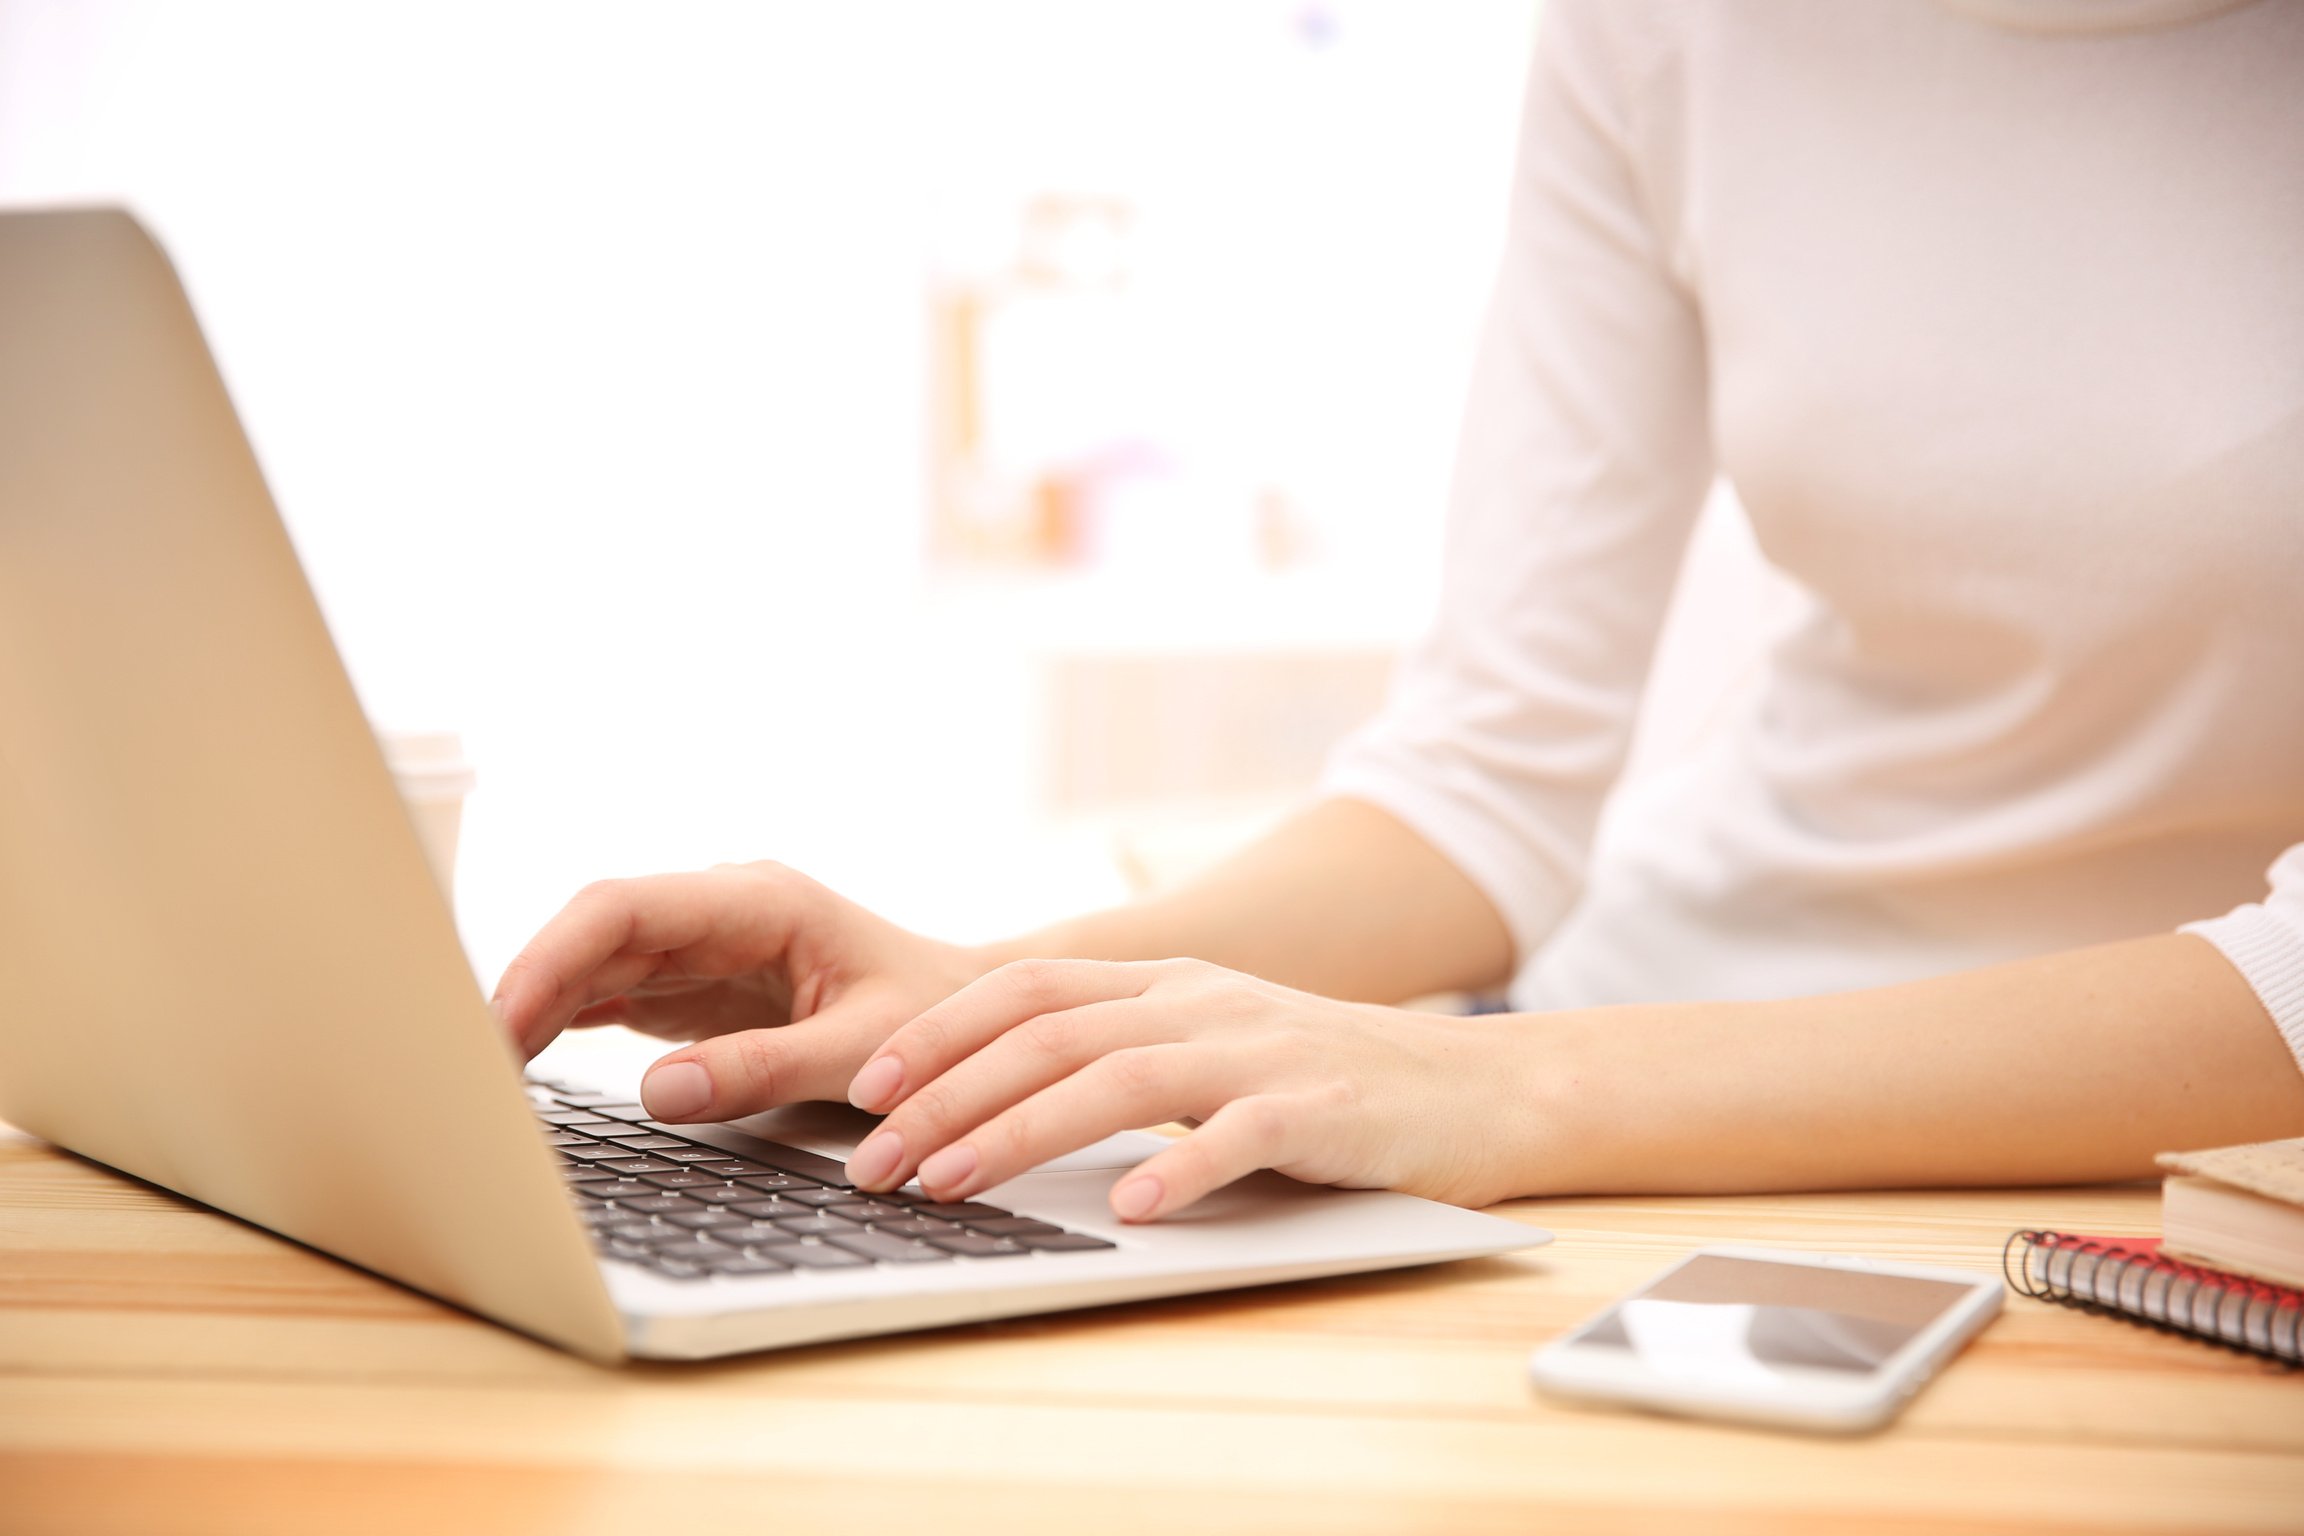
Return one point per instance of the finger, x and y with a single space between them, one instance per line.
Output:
614 1010
751 1070
986 1008
1245 1135
530 1039
612 978
1142 1085
592 949
691 1014
616 933
1012 1067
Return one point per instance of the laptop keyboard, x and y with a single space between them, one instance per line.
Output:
662 1198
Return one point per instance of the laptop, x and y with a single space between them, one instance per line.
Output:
232 974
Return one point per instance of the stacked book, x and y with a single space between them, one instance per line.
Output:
2228 1265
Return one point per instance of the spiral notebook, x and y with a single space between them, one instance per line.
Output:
2131 1278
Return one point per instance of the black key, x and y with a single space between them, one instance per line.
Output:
808 1165
643 1141
598 1215
579 1175
747 1264
636 1252
766 1210
917 1226
821 1196
682 1152
624 1111
697 1221
680 1178
960 1210
640 1232
774 1183
974 1245
818 1225
1063 1242
753 1234
729 1167
738 1164
734 1143
655 1204
673 1269
880 1248
694 1251
720 1194
821 1256
566 1116
556 1137
587 1150
872 1210
638 1165
1014 1226
601 1187
590 1100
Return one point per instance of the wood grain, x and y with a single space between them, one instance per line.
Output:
165 1369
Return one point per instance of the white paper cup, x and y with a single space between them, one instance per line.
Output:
433 777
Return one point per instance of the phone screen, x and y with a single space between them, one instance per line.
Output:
1727 1320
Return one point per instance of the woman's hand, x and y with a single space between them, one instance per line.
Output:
787 987
1041 1057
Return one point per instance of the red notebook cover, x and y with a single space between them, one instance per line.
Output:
2131 1277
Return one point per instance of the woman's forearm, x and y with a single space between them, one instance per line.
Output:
2068 1068
1342 900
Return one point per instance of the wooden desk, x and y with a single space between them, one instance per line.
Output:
164 1369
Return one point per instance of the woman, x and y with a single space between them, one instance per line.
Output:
1990 310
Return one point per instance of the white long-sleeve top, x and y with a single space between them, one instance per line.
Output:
1993 314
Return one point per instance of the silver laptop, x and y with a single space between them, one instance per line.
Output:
230 972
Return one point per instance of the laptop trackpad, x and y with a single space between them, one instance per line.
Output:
832 1130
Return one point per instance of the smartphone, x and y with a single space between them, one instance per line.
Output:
1804 1340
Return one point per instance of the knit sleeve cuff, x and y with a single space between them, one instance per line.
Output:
2269 952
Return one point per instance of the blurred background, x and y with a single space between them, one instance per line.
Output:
982 454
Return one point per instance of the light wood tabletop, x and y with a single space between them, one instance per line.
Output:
167 1369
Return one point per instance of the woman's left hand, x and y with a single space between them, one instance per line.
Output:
1042 1057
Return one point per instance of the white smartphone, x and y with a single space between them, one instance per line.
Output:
1806 1340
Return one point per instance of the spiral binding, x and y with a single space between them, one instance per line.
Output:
2148 1287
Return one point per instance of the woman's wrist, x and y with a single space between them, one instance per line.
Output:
1542 1064
1589 1084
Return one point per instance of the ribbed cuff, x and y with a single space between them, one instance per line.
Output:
2270 954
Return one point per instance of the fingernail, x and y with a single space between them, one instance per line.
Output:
949 1169
870 1164
877 1083
1134 1199
676 1090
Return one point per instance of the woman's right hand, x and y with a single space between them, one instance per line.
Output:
786 987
